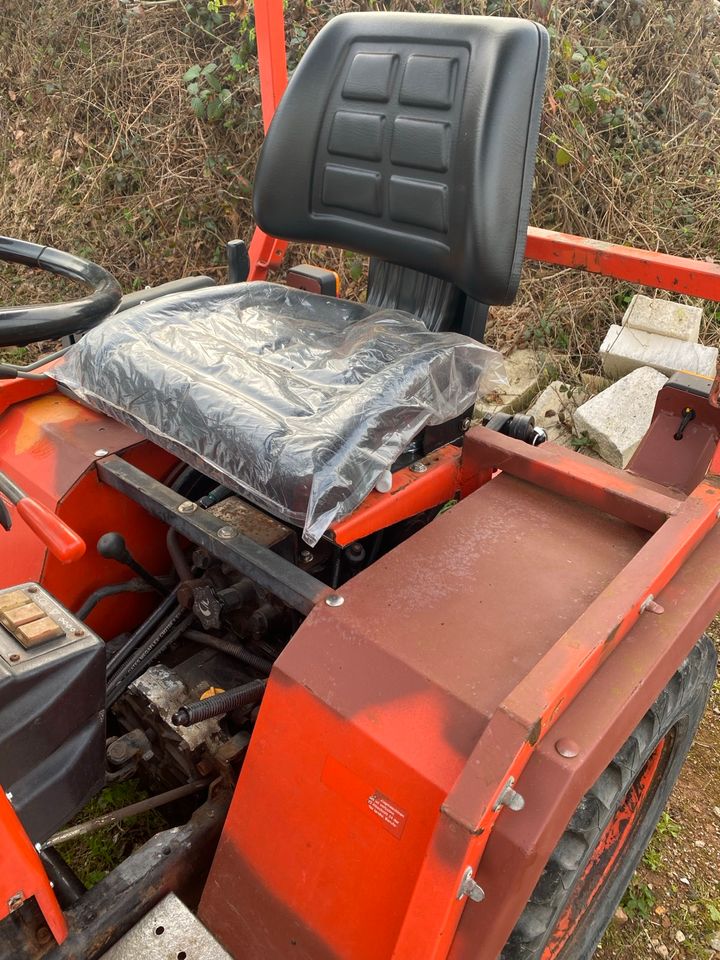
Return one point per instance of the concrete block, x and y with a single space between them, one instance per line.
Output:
554 408
664 317
618 418
625 348
527 374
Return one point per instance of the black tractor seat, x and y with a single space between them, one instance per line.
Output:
295 400
409 138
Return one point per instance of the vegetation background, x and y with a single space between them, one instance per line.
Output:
129 133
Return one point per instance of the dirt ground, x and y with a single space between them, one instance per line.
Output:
672 908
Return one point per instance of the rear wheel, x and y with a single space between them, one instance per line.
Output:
589 870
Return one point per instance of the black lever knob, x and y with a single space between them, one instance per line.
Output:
112 546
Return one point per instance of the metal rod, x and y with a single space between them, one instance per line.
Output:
108 819
117 660
227 646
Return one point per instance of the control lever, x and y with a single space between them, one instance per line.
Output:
58 537
688 415
112 546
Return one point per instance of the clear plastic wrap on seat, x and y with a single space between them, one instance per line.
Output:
296 401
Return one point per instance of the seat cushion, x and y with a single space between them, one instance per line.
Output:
297 401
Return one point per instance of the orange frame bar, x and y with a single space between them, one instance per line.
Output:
265 251
695 278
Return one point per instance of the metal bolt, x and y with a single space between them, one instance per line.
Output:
510 798
78 633
15 901
227 533
469 888
306 556
567 748
465 425
118 752
334 600
101 452
32 589
419 467
14 657
187 506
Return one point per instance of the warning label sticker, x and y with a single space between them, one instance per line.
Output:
392 817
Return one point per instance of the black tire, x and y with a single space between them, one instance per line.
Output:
592 865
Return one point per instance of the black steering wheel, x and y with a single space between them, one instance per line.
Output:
49 321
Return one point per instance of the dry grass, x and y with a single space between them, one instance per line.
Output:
102 154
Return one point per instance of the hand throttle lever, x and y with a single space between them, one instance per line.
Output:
57 536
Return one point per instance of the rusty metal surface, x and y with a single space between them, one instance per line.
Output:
637 500
173 860
529 711
248 520
599 721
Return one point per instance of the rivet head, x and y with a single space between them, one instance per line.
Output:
101 452
14 657
419 467
567 748
187 506
227 533
334 600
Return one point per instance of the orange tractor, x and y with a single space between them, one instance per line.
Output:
409 688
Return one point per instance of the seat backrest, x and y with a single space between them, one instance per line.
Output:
411 138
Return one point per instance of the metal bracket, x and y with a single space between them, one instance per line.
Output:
469 888
274 573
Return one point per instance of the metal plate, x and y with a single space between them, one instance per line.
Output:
169 932
74 631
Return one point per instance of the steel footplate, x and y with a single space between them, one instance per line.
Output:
170 930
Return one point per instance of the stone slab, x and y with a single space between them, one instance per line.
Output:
668 319
554 408
625 349
618 418
527 374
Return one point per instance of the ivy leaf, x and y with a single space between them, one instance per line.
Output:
192 74
562 157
